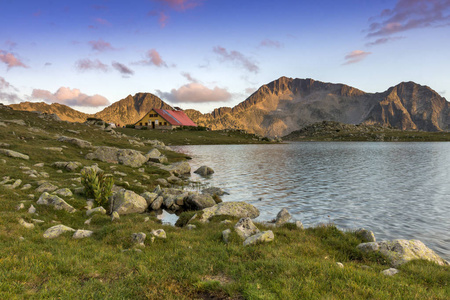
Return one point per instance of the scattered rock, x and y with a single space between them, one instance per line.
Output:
159 233
191 226
37 221
75 141
98 210
68 165
56 149
340 265
16 184
127 202
18 122
226 235
389 272
204 171
128 157
88 221
46 187
65 192
173 179
32 209
26 224
14 154
162 182
245 228
56 231
299 224
199 201
38 165
115 216
156 205
139 238
178 169
92 168
149 197
214 191
20 206
81 234
366 235
55 201
282 217
235 209
262 237
120 173
26 187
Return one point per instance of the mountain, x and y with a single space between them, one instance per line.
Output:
288 104
64 112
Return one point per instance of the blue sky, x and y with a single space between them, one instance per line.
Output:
204 54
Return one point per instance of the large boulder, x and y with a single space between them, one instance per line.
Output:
56 202
128 202
245 228
14 154
399 252
204 171
75 141
282 217
235 209
178 169
199 201
128 157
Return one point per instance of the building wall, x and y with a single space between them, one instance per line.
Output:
160 123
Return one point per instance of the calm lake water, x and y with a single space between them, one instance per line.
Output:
397 190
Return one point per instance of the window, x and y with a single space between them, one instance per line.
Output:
165 123
140 124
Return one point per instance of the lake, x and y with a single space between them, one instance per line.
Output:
397 190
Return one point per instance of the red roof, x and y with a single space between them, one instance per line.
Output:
175 117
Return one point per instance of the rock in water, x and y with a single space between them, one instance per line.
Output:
204 171
198 201
282 217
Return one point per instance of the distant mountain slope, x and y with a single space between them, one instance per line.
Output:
64 112
131 109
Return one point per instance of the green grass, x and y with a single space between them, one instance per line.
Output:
189 264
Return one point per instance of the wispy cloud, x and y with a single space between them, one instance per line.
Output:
7 92
237 58
11 60
70 97
181 5
195 93
124 70
100 45
355 56
152 57
270 43
10 44
384 40
87 64
189 77
410 14
163 18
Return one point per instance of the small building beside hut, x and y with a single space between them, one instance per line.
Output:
164 119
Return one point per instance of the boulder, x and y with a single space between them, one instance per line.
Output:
68 165
81 234
46 187
128 202
115 216
245 228
156 205
153 154
128 157
78 142
159 233
214 191
198 201
178 169
139 238
55 201
204 171
149 197
56 231
65 192
98 210
366 235
226 235
282 217
14 154
161 182
399 252
235 209
32 209
262 237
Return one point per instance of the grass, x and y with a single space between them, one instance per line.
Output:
189 264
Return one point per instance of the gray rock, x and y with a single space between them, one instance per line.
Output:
20 206
159 233
299 224
262 237
39 165
204 171
226 235
68 165
46 187
199 201
214 191
152 154
26 224
128 202
282 217
92 168
18 122
115 216
37 221
56 149
169 201
340 265
120 174
139 238
26 187
389 272
16 184
162 182
366 235
65 192
88 221
128 157
75 141
14 154
56 231
235 209
98 210
173 179
156 205
55 201
32 209
245 228
149 197
178 169
368 247
81 234
191 226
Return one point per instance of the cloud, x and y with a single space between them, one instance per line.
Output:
100 45
181 5
189 77
270 43
250 90
153 58
47 64
356 56
162 17
70 97
384 40
102 21
4 84
410 14
236 57
10 60
195 93
124 70
87 64
7 91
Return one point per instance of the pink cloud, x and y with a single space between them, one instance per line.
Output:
195 93
270 43
355 56
236 57
181 5
153 58
122 68
70 97
100 45
163 19
410 14
10 60
384 40
87 64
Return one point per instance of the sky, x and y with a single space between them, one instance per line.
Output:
204 54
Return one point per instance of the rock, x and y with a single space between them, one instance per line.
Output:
190 226
128 202
199 201
73 131
282 217
37 221
75 141
152 154
56 231
88 221
55 201
26 187
32 209
92 168
120 174
340 265
162 182
389 272
98 210
81 234
262 237
149 197
169 201
26 224
235 209
139 238
128 157
299 224
366 235
65 192
226 235
16 184
214 191
159 233
245 228
14 154
68 165
39 165
178 169
156 205
46 187
368 247
56 149
173 179
115 216
18 122
204 171
20 206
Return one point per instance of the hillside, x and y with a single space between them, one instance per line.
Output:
64 112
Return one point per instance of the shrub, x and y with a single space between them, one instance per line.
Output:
144 128
97 186
129 126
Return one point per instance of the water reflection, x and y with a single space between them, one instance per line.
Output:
398 190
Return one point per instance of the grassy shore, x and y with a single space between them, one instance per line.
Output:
188 264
